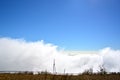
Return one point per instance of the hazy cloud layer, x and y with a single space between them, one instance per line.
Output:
20 55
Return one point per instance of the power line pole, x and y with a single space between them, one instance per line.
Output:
64 71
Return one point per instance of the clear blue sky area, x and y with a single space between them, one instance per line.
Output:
70 24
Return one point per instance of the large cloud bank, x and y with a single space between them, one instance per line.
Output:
20 55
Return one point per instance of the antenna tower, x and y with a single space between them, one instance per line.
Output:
54 68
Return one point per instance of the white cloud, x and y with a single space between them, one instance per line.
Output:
17 54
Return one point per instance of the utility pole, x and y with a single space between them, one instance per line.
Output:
64 71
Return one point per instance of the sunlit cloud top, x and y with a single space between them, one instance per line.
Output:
20 55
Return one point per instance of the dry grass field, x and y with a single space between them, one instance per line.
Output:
25 76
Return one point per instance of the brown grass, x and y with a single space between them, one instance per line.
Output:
8 76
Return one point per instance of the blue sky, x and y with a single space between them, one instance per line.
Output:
70 24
